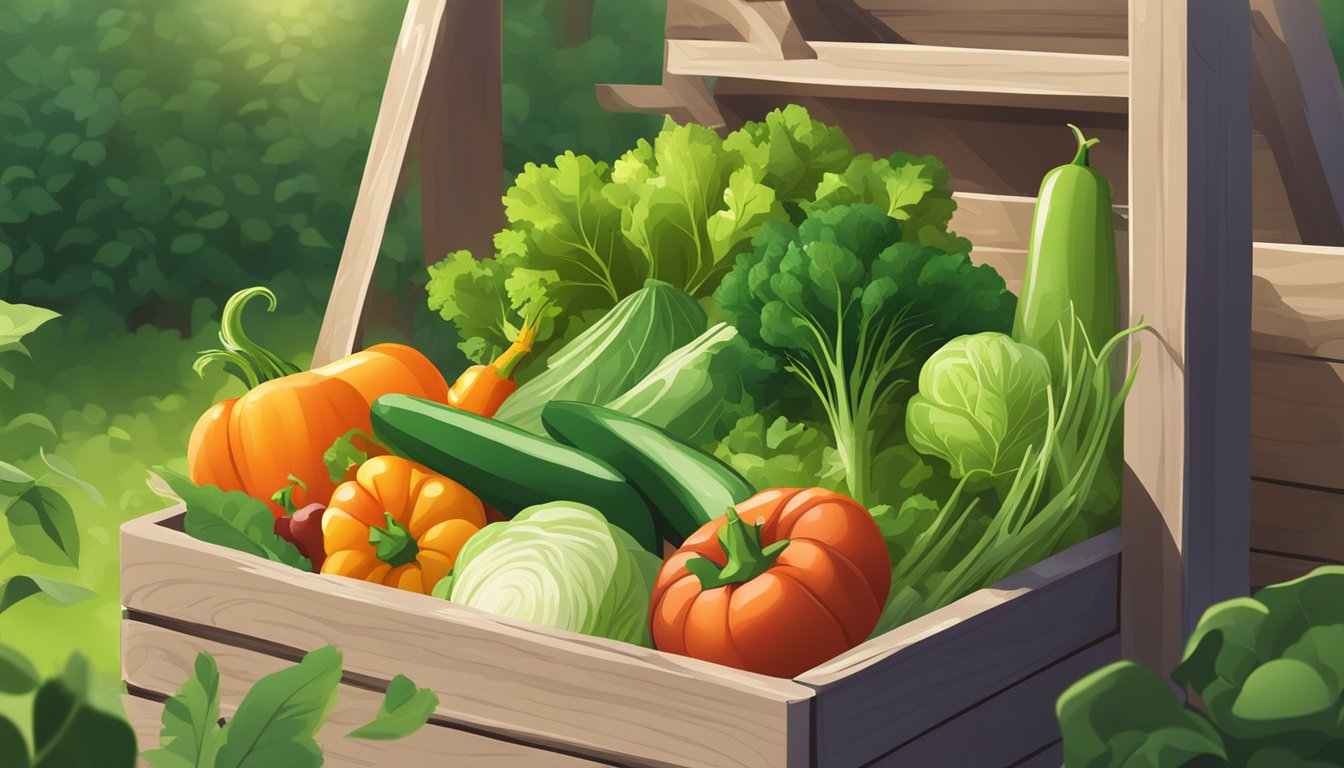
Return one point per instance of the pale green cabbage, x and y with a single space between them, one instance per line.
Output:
561 565
983 402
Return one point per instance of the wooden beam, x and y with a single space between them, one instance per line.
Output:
683 98
461 135
765 25
841 21
1187 421
1067 26
392 135
925 73
1299 105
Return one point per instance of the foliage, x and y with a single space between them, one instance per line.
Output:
561 565
178 147
583 233
17 321
277 720
1043 508
1269 674
982 405
68 728
1332 13
550 104
231 519
851 309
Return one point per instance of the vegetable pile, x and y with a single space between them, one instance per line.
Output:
762 355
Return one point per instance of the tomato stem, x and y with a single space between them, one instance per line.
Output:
747 559
393 545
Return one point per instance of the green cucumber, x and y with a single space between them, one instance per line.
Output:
508 468
684 486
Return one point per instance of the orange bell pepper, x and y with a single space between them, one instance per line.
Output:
398 524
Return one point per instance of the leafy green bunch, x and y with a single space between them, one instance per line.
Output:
851 308
1269 674
1026 454
583 234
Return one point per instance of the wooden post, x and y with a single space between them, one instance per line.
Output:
461 144
1187 421
426 73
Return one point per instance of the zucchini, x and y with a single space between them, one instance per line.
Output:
508 468
684 486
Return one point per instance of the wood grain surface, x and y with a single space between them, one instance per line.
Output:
1010 726
1272 567
544 687
1298 520
1187 420
159 660
975 75
1069 26
1297 420
901 684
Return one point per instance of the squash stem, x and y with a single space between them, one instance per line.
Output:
1084 145
746 558
254 363
285 496
394 544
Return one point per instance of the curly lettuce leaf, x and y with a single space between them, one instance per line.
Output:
793 151
912 190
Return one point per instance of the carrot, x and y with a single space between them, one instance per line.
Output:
481 389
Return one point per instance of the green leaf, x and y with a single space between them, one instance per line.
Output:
65 473
13 475
191 735
188 243
404 710
1125 715
470 294
68 731
277 720
24 586
13 746
231 519
17 675
44 527
19 320
344 454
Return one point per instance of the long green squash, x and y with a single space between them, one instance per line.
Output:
1072 273
1070 260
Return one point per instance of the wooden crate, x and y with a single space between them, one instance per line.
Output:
514 693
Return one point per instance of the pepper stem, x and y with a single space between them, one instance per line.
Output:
521 346
1083 146
746 558
394 544
285 496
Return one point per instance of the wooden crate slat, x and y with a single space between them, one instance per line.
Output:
973 74
1299 300
1273 567
159 660
1071 26
1050 757
539 685
1298 520
891 689
1017 722
1297 420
